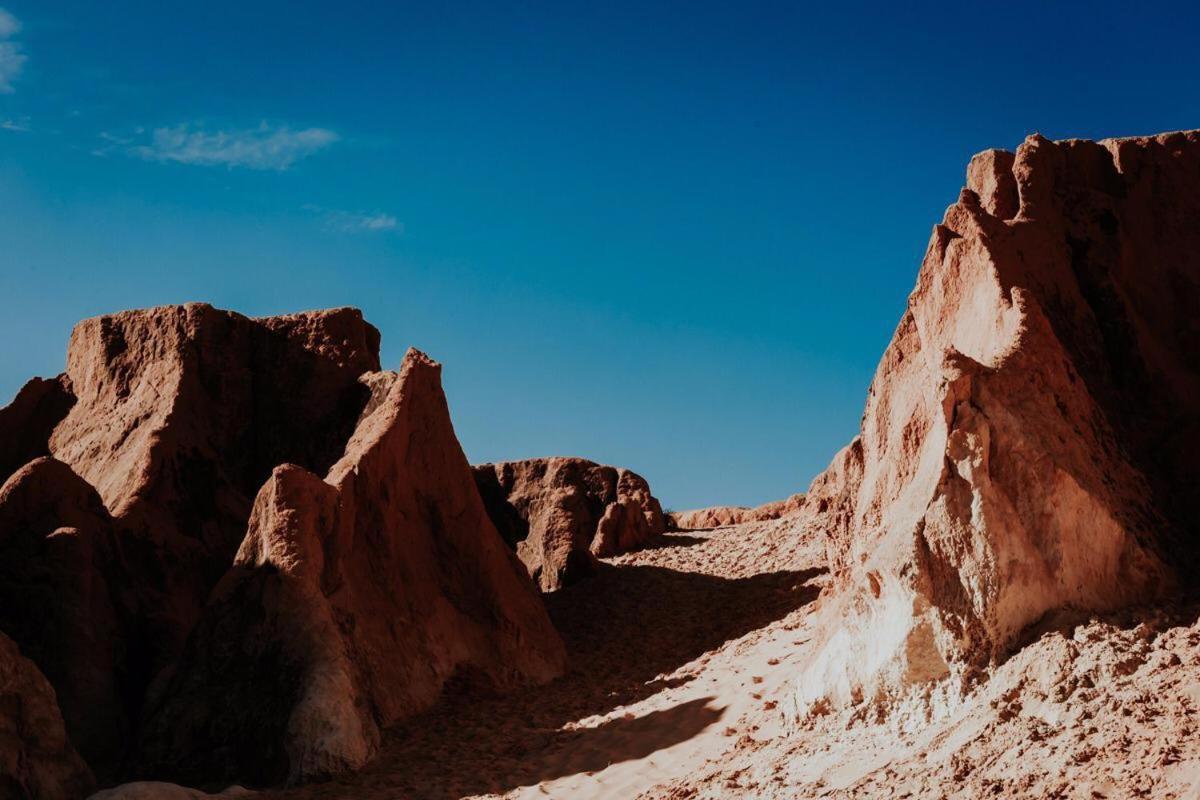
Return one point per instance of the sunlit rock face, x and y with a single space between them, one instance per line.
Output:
1027 439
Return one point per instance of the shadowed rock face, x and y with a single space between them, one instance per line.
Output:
1028 436
56 553
27 422
561 513
36 757
351 602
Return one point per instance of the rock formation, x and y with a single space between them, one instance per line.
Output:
55 602
36 757
349 604
1027 437
352 601
182 413
701 519
561 513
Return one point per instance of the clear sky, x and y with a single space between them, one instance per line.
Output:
674 237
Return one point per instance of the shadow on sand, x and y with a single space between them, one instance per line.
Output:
626 630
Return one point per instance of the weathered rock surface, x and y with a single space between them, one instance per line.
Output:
702 519
27 422
182 413
1028 437
37 760
352 602
55 557
561 513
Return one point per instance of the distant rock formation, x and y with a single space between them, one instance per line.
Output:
1030 437
560 514
36 757
133 478
702 519
351 602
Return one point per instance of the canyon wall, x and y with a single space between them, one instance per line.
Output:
1026 439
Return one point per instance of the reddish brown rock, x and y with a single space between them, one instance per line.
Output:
561 513
55 557
37 761
1029 438
721 516
27 422
352 602
182 413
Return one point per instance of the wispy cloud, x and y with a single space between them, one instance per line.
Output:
356 221
12 60
264 147
19 125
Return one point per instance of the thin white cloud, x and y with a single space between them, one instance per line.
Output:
9 26
357 221
264 147
18 125
12 60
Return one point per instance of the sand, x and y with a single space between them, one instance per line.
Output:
682 661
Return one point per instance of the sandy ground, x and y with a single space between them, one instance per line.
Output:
681 659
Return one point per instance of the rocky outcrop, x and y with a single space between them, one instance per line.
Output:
703 519
36 758
182 413
560 514
352 602
27 422
1028 438
56 554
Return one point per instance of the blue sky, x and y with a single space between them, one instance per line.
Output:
674 237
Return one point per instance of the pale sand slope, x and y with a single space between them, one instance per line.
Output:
681 661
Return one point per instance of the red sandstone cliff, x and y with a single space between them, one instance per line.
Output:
1027 440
